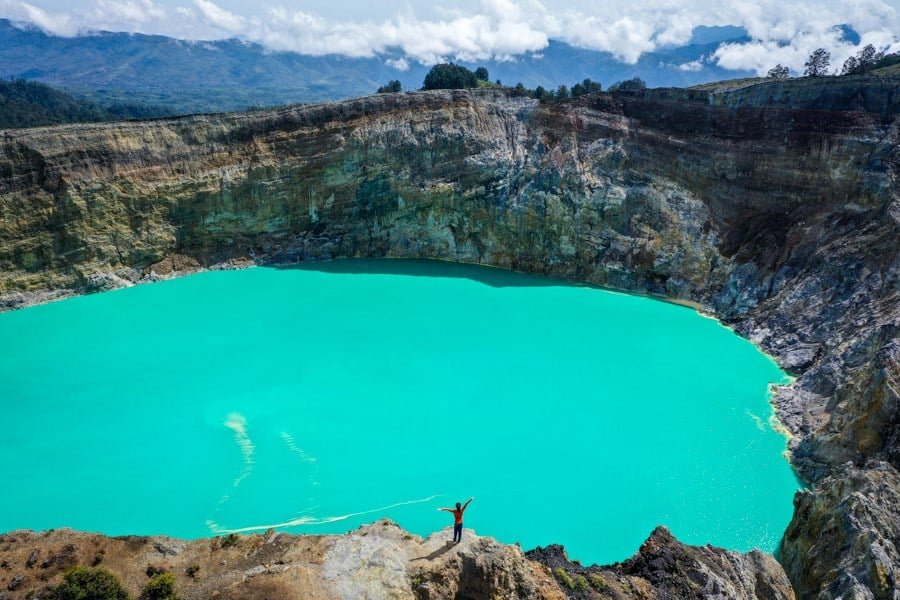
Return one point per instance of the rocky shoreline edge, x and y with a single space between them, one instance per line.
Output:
381 560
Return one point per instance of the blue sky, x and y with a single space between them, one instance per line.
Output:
783 31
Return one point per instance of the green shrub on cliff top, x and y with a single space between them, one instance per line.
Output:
564 578
635 84
160 587
448 76
393 86
80 583
598 582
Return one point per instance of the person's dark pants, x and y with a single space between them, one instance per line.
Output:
457 533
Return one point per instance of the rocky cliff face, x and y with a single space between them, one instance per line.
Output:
376 561
775 207
665 568
381 562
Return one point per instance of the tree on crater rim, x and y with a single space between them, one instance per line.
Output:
449 76
817 63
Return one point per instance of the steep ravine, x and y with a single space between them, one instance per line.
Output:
775 207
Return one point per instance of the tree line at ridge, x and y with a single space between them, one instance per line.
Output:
452 76
30 104
866 60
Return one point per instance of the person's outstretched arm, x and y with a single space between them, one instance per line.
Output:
467 502
446 509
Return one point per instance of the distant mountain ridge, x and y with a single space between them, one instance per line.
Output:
209 76
31 104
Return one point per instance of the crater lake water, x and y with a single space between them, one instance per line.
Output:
319 398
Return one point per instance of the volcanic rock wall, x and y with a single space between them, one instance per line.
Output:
381 562
775 207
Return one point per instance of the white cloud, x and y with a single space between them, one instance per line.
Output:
761 55
626 38
128 11
401 64
694 65
787 34
219 17
58 23
783 31
114 15
677 31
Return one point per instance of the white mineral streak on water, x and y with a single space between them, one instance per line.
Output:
760 424
238 424
304 457
292 446
316 521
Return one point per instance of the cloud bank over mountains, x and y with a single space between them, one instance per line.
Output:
781 31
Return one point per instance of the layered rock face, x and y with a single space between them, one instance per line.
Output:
775 207
666 568
376 561
381 561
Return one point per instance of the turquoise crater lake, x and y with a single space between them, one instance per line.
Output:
318 398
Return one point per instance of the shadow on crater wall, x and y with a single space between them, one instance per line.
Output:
491 276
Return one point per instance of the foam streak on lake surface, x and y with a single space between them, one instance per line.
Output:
319 398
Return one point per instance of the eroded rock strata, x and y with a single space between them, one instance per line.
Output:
380 561
665 568
775 207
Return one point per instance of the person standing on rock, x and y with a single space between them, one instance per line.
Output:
458 518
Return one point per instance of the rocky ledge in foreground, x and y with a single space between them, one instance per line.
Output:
666 568
382 560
